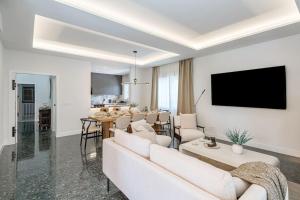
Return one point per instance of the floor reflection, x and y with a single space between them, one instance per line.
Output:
50 168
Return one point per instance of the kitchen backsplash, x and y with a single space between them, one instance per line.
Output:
104 99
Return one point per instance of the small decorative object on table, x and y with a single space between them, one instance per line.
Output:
238 138
211 143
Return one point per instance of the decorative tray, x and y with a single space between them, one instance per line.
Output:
215 147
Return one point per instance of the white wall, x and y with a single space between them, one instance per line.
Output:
2 137
42 89
276 130
73 88
141 94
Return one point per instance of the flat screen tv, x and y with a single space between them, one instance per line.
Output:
258 88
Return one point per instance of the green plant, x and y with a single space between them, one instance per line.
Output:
238 137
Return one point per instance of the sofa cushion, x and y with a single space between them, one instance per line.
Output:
190 134
141 125
135 143
188 121
163 140
207 177
147 135
240 186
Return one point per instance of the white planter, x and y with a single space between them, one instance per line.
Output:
238 149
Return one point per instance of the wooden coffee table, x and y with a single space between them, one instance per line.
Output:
223 157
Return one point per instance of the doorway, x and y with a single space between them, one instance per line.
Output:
35 130
26 102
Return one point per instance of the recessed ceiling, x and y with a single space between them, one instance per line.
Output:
105 32
57 36
195 24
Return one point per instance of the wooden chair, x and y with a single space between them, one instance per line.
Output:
89 129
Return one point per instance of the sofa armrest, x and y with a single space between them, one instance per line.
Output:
254 192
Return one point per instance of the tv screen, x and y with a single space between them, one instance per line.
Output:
258 88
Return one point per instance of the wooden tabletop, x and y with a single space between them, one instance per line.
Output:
111 116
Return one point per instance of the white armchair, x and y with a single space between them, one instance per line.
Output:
143 129
186 128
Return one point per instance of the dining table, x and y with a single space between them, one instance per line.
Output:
107 119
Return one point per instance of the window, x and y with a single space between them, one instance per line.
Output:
28 94
126 91
168 87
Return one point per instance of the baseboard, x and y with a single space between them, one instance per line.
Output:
281 150
67 133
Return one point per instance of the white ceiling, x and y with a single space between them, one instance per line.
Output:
106 32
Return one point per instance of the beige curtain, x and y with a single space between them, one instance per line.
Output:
185 87
154 90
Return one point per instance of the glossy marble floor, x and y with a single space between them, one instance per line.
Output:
49 168
56 168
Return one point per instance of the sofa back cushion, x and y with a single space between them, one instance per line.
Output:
207 177
240 186
132 142
147 135
188 121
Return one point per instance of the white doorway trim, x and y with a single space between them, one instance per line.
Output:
12 109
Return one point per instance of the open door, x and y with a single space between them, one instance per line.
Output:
53 102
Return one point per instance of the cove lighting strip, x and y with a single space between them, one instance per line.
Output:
50 45
100 9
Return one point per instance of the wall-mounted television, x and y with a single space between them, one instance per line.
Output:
258 88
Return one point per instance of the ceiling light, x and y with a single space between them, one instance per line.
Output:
135 81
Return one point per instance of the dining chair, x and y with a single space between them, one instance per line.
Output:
138 117
151 118
89 129
121 123
164 121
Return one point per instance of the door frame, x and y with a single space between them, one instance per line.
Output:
12 101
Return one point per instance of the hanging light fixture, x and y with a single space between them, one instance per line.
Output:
135 81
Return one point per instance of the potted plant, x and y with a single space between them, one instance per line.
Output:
238 138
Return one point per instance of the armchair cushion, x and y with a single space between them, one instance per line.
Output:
190 134
188 121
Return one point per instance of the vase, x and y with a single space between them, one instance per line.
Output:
238 149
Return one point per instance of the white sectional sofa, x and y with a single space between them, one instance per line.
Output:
145 171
